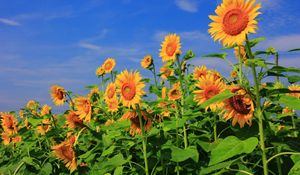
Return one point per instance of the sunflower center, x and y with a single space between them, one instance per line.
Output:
235 21
171 48
108 65
210 92
60 94
67 152
128 91
110 93
238 104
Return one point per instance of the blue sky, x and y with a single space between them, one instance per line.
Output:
63 42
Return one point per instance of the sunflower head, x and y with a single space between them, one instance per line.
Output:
73 120
240 52
174 93
109 65
32 105
44 127
5 138
233 74
83 108
166 71
163 92
199 72
239 107
9 123
294 87
130 87
170 48
45 110
135 127
110 91
112 104
147 62
94 94
66 153
58 95
209 87
100 71
234 19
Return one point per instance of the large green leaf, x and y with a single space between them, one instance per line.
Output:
294 50
216 167
179 155
217 55
290 101
222 96
232 146
295 170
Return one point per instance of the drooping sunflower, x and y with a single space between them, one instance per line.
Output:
9 123
170 48
239 107
174 93
110 92
165 72
199 72
130 87
65 152
58 95
83 108
294 87
209 87
45 110
100 71
234 19
147 62
112 104
135 127
240 52
109 65
73 120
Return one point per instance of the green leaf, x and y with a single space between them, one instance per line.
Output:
111 164
295 170
290 101
189 55
171 124
108 151
179 155
293 79
257 62
280 69
46 169
222 96
294 50
217 55
255 41
118 171
35 122
216 167
92 86
232 146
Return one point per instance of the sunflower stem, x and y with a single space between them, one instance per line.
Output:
240 68
294 125
277 64
154 74
182 101
215 128
279 168
144 140
258 110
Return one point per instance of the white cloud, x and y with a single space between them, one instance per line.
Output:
9 22
187 5
283 43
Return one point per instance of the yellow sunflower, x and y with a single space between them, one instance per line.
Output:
234 19
130 87
294 87
147 62
209 87
100 71
112 104
163 92
174 93
135 127
83 108
239 107
109 122
94 94
44 127
58 95
5 138
199 72
109 65
110 91
45 110
215 74
170 48
66 153
165 72
32 105
9 123
73 120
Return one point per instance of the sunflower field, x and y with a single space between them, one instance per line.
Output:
185 120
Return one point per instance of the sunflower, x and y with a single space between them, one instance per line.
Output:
32 105
199 72
112 104
209 87
100 71
94 94
17 139
135 127
66 153
21 114
174 93
164 107
294 87
58 95
109 122
110 91
45 110
5 138
240 52
215 74
234 19
109 65
170 48
165 72
233 74
9 123
83 108
44 127
147 62
239 107
163 92
73 120
130 87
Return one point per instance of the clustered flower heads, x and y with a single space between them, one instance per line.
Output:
128 124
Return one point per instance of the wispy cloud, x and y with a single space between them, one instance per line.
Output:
187 5
9 22
283 43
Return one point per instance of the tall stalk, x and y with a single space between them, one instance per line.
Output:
258 109
154 74
144 140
